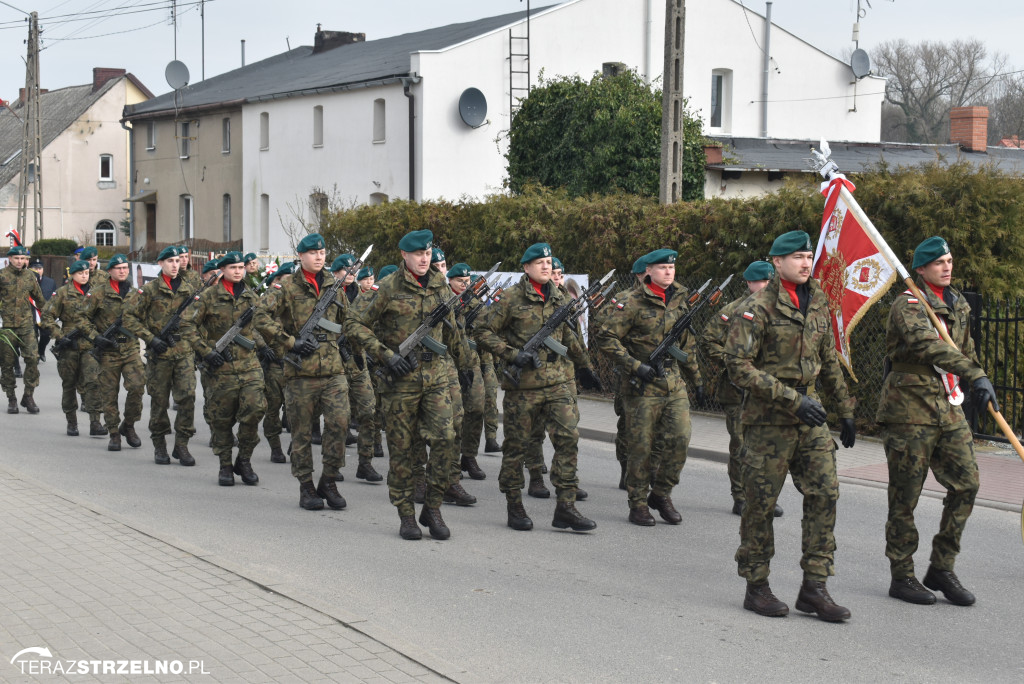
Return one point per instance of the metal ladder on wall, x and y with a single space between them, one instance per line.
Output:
518 65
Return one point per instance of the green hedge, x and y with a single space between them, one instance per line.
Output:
54 246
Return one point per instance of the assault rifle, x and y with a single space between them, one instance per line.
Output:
108 334
471 315
67 341
316 318
234 335
570 311
168 333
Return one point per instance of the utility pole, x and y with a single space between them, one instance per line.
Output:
672 103
31 140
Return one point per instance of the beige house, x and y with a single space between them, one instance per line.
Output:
85 159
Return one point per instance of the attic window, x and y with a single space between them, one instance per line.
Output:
11 158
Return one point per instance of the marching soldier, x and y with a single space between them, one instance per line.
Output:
778 347
924 425
364 279
473 392
118 351
188 274
211 269
234 390
91 256
490 379
19 294
48 287
252 272
438 261
385 271
273 366
170 365
654 401
730 397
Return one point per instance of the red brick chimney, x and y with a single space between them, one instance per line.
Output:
101 75
968 127
21 93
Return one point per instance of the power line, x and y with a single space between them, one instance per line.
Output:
113 33
104 14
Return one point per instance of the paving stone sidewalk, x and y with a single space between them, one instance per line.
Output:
87 587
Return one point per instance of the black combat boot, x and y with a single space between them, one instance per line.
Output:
641 515
910 590
29 403
777 512
243 468
472 468
491 446
409 529
315 436
226 476
350 438
537 489
12 404
566 515
622 475
581 494
96 428
160 455
761 600
308 497
949 584
327 489
72 423
128 432
517 518
457 495
419 492
378 450
182 453
737 507
277 455
663 504
814 598
432 520
115 442
366 471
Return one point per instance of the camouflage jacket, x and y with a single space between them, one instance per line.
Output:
192 277
153 308
268 302
213 315
105 306
912 391
509 323
69 306
713 337
383 317
17 285
290 310
631 329
772 348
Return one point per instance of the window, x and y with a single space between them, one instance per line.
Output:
105 234
264 130
720 116
185 219
185 147
227 216
379 123
264 222
106 167
151 135
318 126
225 135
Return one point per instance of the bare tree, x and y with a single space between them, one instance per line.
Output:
1006 110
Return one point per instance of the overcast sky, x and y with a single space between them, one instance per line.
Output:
143 38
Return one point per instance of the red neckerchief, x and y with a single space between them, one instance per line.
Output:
791 289
228 286
660 291
311 279
78 287
167 279
114 287
538 288
937 290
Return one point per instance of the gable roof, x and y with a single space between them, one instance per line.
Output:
300 71
60 108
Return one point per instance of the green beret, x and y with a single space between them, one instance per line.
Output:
538 250
184 249
116 260
251 256
88 253
436 255
79 266
417 240
759 270
556 264
167 253
386 271
310 242
459 270
230 258
211 265
639 266
287 268
473 278
793 241
364 273
17 251
930 250
343 261
660 256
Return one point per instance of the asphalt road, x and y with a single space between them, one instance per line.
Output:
622 603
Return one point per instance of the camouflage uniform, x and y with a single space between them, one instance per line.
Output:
106 305
76 366
192 277
629 333
922 429
363 405
417 406
172 372
273 377
234 391
473 403
777 353
16 287
490 380
544 396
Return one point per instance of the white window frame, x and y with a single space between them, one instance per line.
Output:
186 147
151 135
186 219
225 135
105 229
110 167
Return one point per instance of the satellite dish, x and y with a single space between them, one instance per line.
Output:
473 107
176 74
860 63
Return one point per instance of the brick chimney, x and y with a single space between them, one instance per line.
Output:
968 127
101 75
328 40
21 94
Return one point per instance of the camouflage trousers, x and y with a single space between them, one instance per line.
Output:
22 343
112 367
458 416
910 451
808 454
235 398
534 460
490 379
556 409
473 404
78 369
650 419
621 448
166 378
413 419
363 405
734 425
306 399
273 391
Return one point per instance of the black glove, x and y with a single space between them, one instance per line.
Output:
227 355
811 411
267 355
360 362
465 379
524 359
700 396
984 392
848 432
213 359
158 345
305 346
61 344
399 366
588 380
104 343
646 372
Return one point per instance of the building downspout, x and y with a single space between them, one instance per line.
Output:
131 185
767 68
407 84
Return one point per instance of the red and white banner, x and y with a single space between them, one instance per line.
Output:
849 266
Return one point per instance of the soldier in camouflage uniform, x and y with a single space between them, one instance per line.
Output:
273 366
253 280
366 279
730 397
118 353
170 364
416 401
545 392
96 274
318 386
459 279
490 378
187 273
924 425
211 269
75 365
234 390
19 288
777 348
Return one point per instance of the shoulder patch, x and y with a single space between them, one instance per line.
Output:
913 300
140 290
375 287
725 318
747 315
277 285
619 305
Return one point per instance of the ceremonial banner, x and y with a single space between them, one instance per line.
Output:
849 266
